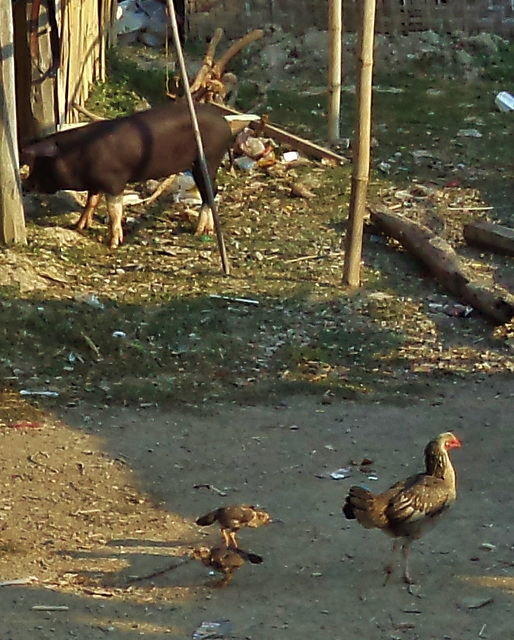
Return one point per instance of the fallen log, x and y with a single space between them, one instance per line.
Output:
446 266
488 235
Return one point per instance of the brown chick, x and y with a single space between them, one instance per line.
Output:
225 560
412 506
233 518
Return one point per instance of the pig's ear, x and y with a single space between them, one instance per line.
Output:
43 149
46 148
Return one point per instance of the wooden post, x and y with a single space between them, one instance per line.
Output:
335 31
12 222
361 146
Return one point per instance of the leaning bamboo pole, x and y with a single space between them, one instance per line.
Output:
198 137
361 146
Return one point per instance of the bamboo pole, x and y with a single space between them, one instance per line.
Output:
198 137
361 146
12 222
335 31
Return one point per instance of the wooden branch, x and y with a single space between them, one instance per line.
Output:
92 116
310 149
490 236
206 69
497 305
253 36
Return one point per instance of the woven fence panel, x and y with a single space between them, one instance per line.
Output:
393 16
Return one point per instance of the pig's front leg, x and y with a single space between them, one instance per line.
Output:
86 218
115 211
205 226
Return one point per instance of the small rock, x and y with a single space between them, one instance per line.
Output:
472 602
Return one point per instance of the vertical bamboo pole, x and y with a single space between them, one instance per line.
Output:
12 222
361 146
335 31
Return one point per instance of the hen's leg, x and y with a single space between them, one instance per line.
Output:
388 569
233 540
406 575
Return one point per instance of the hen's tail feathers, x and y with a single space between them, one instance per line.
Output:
254 558
361 504
207 519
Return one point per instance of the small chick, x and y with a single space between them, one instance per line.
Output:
225 560
233 518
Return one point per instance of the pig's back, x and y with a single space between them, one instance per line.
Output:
157 143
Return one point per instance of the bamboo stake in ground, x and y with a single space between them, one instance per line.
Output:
362 139
198 137
335 30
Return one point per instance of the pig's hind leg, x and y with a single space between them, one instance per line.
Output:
115 211
85 220
205 225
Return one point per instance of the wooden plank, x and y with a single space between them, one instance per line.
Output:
490 236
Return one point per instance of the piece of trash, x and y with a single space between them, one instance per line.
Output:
454 310
373 477
186 190
504 101
212 629
290 156
341 474
17 581
472 602
384 167
42 394
211 487
487 546
245 163
119 334
469 133
50 607
130 17
25 424
89 298
230 299
414 590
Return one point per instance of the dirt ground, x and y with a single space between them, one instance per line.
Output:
96 498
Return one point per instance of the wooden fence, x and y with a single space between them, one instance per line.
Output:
393 16
44 95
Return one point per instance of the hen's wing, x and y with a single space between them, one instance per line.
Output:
413 503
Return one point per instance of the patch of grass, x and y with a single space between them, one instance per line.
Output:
158 337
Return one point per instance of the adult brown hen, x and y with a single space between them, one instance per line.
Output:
412 506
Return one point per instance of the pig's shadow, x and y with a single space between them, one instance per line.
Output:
43 209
